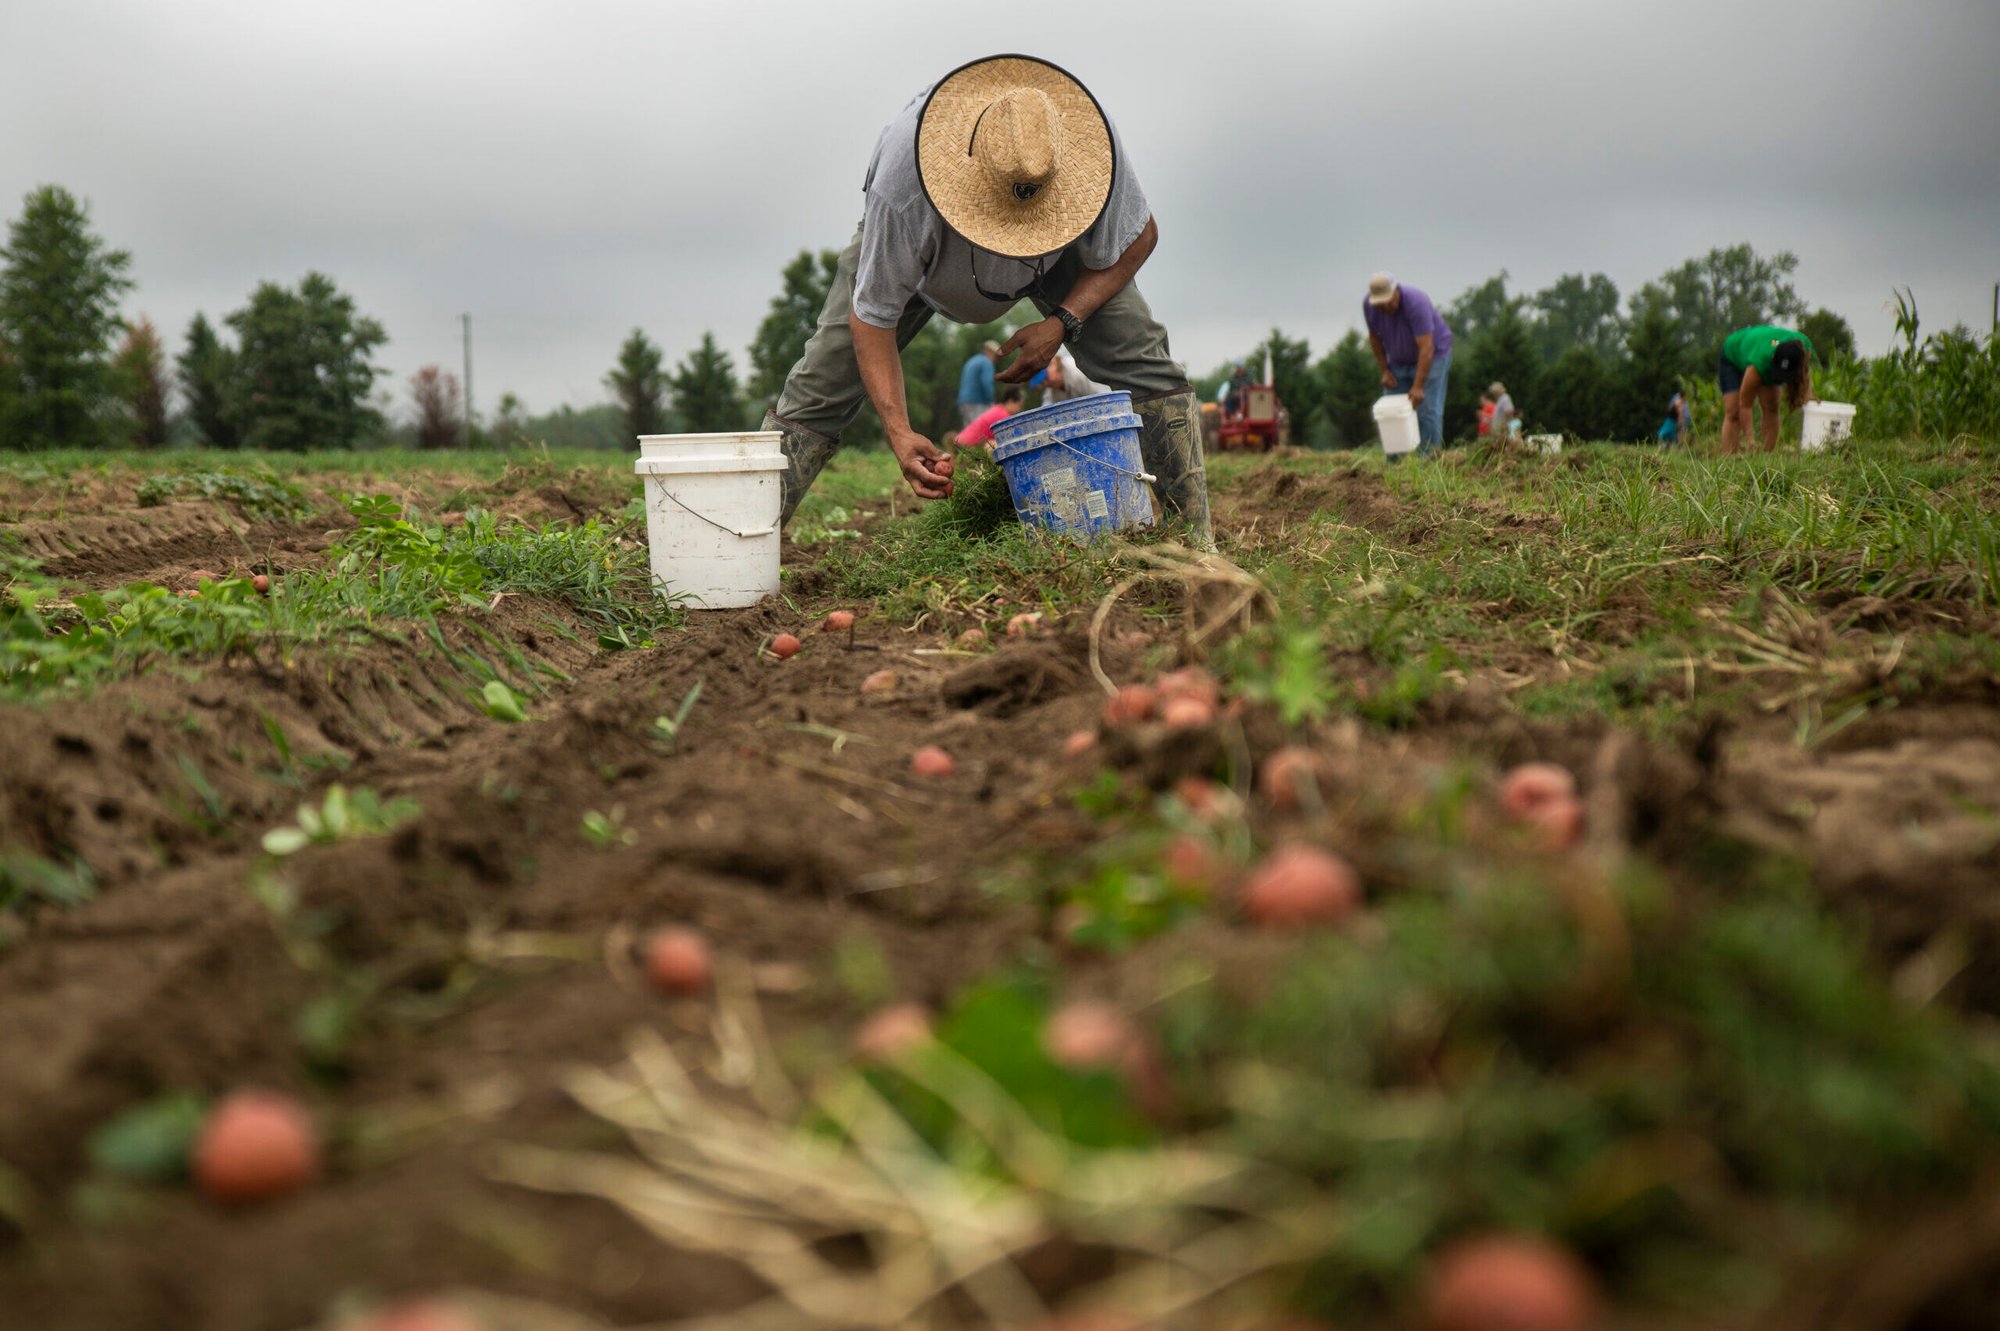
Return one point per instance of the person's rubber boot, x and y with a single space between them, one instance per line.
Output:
805 453
1170 443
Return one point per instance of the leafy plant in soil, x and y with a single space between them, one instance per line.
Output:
257 492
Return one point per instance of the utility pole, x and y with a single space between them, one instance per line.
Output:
467 320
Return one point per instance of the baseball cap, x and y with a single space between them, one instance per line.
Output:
1786 360
1381 288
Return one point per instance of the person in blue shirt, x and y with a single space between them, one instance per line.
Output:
975 382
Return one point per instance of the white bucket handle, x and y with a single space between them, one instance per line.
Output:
746 535
1147 477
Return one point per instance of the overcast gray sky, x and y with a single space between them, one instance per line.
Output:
568 171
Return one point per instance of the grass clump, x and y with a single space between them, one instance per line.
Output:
393 568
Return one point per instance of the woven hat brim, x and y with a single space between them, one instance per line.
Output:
965 196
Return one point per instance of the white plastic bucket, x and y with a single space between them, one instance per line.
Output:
712 507
1825 424
1546 443
1396 422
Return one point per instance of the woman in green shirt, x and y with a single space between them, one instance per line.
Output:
1756 363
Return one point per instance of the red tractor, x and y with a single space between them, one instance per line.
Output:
1257 422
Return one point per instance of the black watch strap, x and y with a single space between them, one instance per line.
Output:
1072 326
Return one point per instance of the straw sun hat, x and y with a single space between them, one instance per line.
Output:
1015 155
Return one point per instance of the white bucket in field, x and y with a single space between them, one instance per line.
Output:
1825 424
712 506
1546 443
1396 422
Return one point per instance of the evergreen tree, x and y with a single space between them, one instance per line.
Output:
10 393
1650 372
303 375
1476 308
1350 382
139 371
510 424
1575 310
1572 396
59 292
204 368
1724 290
789 324
704 390
639 380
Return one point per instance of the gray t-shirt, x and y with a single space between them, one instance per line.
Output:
907 250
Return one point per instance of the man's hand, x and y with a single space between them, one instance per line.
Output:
1037 343
926 469
1388 377
1416 393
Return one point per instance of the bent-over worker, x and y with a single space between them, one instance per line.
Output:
1412 345
1003 181
1755 363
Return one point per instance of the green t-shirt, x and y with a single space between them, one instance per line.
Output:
1751 348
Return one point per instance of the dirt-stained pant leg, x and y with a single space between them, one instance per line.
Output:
823 393
1124 346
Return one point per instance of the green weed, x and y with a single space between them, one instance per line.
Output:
341 816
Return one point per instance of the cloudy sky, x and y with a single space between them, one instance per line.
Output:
568 171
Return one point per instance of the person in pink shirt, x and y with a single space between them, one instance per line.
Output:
980 433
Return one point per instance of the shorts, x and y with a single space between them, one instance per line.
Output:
1726 375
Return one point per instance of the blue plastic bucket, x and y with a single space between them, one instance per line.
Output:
1074 468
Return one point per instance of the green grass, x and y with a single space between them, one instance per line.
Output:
65 462
393 573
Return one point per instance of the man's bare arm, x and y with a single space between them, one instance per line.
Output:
881 365
1038 341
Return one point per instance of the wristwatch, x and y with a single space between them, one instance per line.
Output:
1072 326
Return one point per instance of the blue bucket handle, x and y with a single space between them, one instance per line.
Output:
1062 434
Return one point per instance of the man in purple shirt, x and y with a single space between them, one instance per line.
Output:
1413 347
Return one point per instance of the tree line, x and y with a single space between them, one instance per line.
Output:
1575 357
292 369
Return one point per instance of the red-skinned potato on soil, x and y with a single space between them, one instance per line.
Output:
678 961
784 646
1509 1283
255 1146
1025 624
933 762
1129 706
1543 796
1532 785
1087 1036
1299 886
1290 776
1189 682
892 1031
1187 712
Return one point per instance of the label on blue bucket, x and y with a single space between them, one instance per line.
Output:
1097 505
